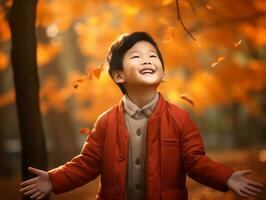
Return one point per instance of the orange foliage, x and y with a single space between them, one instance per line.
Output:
3 61
4 28
7 98
46 53
194 68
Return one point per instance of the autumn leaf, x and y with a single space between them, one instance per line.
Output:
81 79
220 59
75 86
166 2
209 7
84 131
95 71
170 34
236 44
188 98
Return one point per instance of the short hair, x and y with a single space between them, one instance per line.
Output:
121 46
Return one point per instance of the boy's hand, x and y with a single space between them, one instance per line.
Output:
37 187
242 186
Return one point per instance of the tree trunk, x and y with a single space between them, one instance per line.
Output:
24 64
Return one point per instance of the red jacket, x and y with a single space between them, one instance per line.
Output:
174 149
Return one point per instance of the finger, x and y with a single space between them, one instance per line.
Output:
24 189
254 189
41 196
36 171
28 182
254 183
35 195
245 172
240 193
30 192
248 192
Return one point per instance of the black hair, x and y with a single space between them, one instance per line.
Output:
121 46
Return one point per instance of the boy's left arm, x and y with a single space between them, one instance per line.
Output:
208 172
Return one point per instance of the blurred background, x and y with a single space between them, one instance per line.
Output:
219 79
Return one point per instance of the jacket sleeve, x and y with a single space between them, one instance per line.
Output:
197 164
86 166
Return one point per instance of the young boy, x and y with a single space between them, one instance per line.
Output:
144 146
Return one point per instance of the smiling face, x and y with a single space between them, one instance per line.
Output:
141 66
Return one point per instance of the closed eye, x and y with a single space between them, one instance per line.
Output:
153 56
134 57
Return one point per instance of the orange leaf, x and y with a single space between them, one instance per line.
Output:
220 59
75 86
95 71
187 98
209 7
81 79
236 44
90 73
84 131
170 34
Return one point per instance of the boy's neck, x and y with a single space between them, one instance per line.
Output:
141 97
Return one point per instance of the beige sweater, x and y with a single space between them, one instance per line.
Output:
136 120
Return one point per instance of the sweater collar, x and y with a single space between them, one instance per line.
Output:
138 113
159 108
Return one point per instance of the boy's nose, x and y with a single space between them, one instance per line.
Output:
146 63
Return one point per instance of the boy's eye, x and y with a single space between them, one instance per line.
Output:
153 56
134 57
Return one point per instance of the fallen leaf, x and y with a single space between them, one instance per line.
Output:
84 131
188 98
236 44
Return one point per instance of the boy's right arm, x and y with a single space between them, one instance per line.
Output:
80 170
86 166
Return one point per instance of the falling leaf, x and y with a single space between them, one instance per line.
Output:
262 155
84 131
170 34
187 98
75 86
3 61
209 7
236 44
220 59
81 79
95 71
166 2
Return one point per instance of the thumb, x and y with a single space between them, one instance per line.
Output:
36 171
245 172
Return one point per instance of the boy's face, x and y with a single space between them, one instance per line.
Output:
141 66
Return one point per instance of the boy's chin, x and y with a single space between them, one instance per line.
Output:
150 84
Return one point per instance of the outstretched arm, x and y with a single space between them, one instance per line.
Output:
38 187
242 186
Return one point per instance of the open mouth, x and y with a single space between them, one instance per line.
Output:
147 71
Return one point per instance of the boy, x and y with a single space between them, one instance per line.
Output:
143 147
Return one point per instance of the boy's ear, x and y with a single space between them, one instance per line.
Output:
163 79
118 76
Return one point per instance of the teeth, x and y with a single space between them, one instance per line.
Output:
149 71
